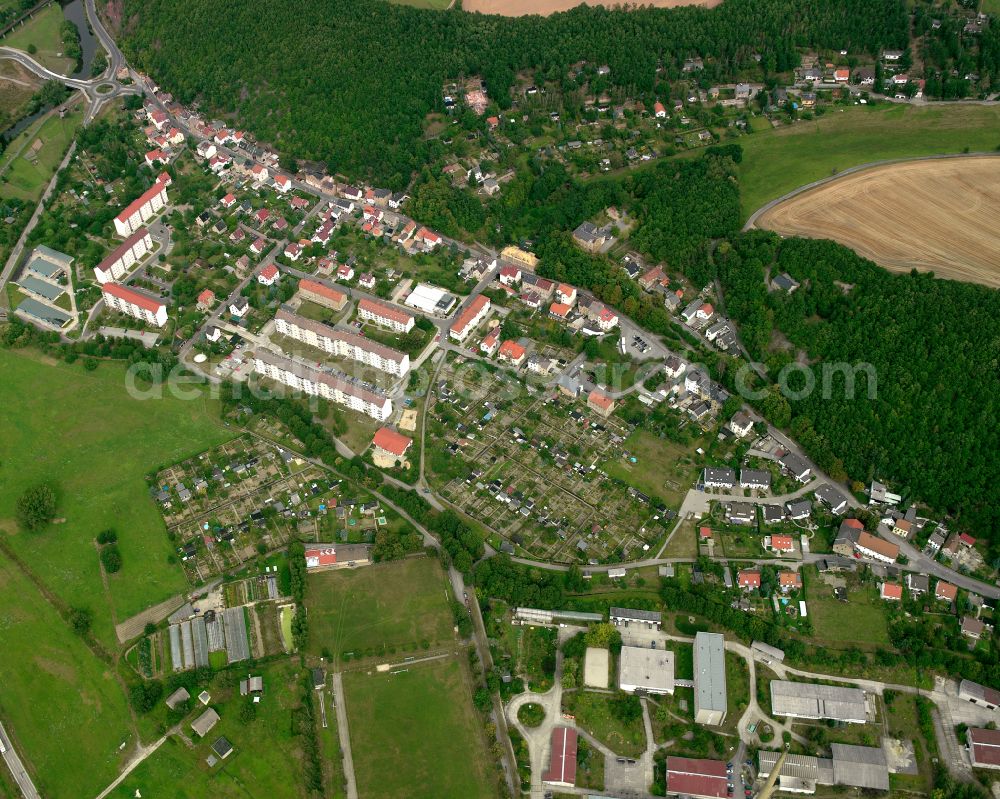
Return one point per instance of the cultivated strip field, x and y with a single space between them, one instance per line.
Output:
519 8
933 215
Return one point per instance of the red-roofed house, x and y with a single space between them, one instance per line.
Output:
385 315
258 246
566 294
299 202
510 275
159 118
705 311
562 760
259 172
511 352
143 208
779 543
428 238
789 581
206 300
262 216
135 303
345 272
696 778
607 319
322 294
966 540
493 122
879 549
268 275
559 310
293 251
154 157
748 579
228 201
282 183
491 342
471 315
600 402
841 75
946 592
317 557
659 110
891 591
390 444
984 747
705 533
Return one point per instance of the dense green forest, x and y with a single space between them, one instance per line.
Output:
350 83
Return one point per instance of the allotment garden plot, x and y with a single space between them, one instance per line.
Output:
534 478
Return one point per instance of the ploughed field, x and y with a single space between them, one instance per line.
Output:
933 215
519 8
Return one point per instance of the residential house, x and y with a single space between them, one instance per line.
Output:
789 581
781 544
268 275
600 402
742 425
945 591
891 592
511 352
847 537
868 546
718 478
748 579
917 584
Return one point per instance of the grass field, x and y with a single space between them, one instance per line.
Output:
16 88
435 5
25 172
266 758
864 608
81 432
63 706
593 713
949 206
779 160
415 735
662 469
396 606
42 30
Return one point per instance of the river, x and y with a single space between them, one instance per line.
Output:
75 12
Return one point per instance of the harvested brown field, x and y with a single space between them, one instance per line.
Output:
520 8
933 215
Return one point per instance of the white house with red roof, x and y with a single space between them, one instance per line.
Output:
367 281
143 208
268 275
206 300
474 313
260 173
600 402
135 303
510 275
385 315
372 214
748 579
841 75
345 272
154 157
228 201
891 592
293 251
283 183
323 233
491 342
428 238
511 352
258 246
218 162
659 110
566 294
117 263
607 319
159 118
390 445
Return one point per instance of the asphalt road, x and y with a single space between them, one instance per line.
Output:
13 761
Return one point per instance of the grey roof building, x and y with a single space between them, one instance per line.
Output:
755 478
979 694
710 698
813 701
204 723
652 617
766 652
832 498
645 670
860 766
855 766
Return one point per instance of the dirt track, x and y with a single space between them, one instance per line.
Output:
937 215
519 8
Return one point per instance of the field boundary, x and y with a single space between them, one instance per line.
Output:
750 224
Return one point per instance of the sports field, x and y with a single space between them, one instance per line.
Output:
392 607
81 432
777 161
937 215
415 735
266 759
62 705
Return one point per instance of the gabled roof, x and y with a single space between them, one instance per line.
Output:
391 441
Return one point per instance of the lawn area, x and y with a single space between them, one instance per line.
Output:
415 734
778 160
399 606
63 706
42 30
861 620
14 96
662 469
266 762
81 432
31 170
593 713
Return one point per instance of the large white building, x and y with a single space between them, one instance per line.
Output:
645 670
341 343
805 700
470 317
124 256
135 303
431 300
711 700
320 384
143 208
385 315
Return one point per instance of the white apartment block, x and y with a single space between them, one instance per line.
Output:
135 303
385 315
470 317
320 384
124 256
142 209
342 343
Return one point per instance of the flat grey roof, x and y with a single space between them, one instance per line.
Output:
770 651
53 255
39 310
638 615
800 767
642 667
860 766
41 287
45 267
710 672
812 700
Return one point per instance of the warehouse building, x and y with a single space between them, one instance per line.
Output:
984 747
646 671
806 700
695 777
562 760
767 653
625 616
710 699
854 766
979 694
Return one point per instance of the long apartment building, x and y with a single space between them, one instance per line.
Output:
341 343
124 256
143 208
135 303
319 384
472 315
322 294
385 315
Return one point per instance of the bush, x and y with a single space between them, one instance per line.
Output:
107 537
36 507
111 557
80 620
